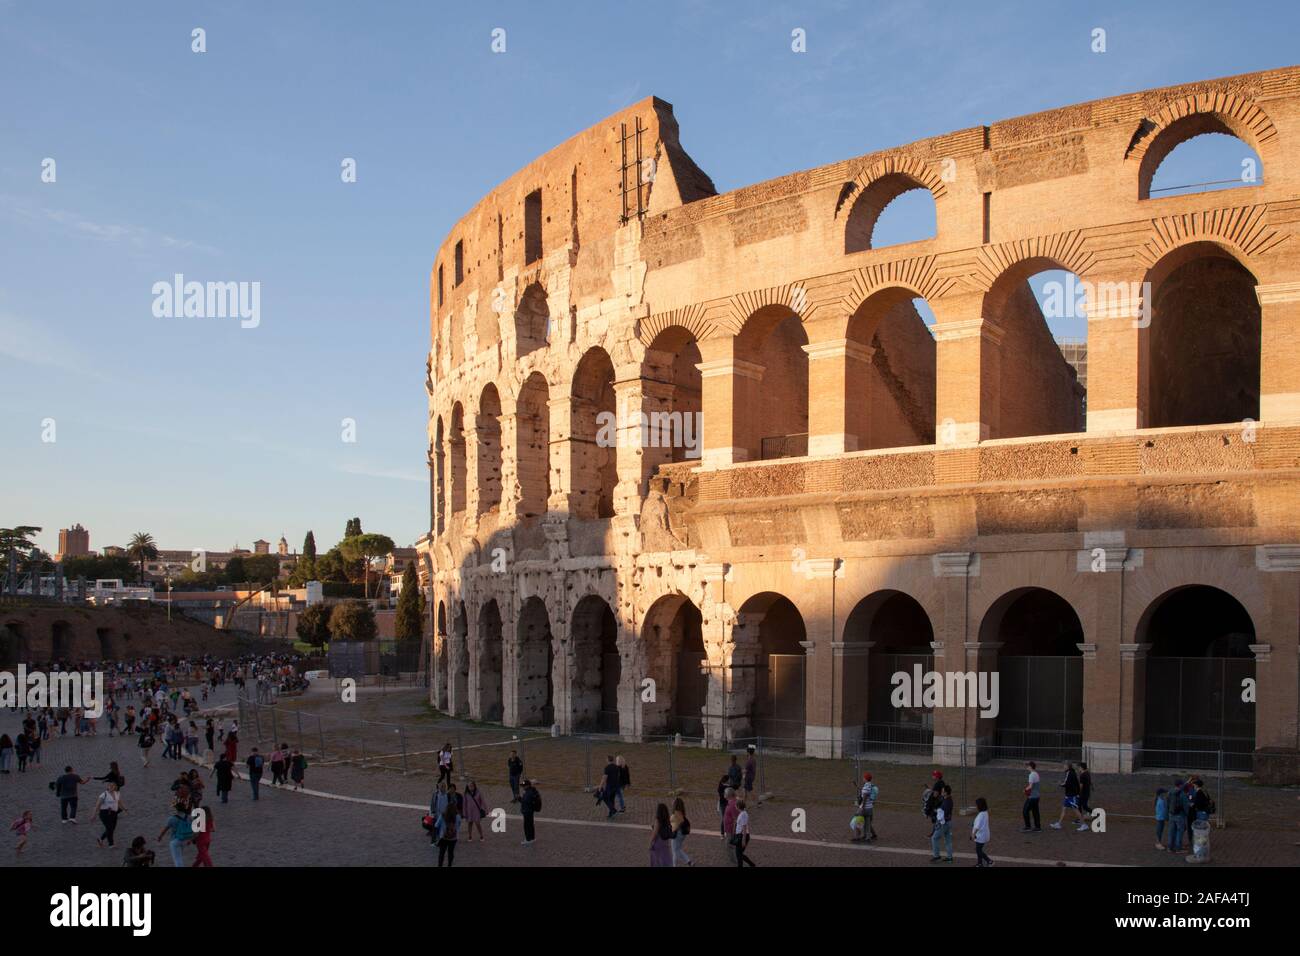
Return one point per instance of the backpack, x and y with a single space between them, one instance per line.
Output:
257 761
685 828
534 801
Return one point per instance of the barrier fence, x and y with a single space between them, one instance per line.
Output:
669 765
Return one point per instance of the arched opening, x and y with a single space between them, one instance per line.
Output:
1040 671
489 450
457 453
61 645
536 658
672 639
673 429
1196 154
15 648
774 629
439 478
593 438
108 644
894 209
460 663
891 387
1197 670
1039 392
533 446
1204 339
532 320
775 423
442 618
900 635
597 667
490 647
440 640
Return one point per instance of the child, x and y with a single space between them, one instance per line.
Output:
858 826
22 826
1162 815
979 832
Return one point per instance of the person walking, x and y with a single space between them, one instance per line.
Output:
138 854
1162 816
942 833
179 832
515 770
448 834
203 838
729 817
661 838
475 810
530 804
979 832
23 751
445 763
723 784
867 808
624 781
114 776
681 830
1070 804
751 771
297 768
278 774
1085 792
609 785
146 744
740 838
65 788
255 763
22 827
6 752
1032 796
734 774
224 771
109 805
209 732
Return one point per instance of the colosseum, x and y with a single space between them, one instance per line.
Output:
705 464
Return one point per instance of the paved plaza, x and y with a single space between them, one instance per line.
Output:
370 816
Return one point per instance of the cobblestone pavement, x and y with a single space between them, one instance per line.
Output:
351 815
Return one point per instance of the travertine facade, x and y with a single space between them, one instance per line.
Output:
866 485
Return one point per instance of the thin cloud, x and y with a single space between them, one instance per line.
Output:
71 222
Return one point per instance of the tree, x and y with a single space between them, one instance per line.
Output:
18 539
95 566
313 625
142 549
261 568
408 620
352 621
308 560
362 548
329 566
236 573
353 528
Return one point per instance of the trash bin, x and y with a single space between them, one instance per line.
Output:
1200 842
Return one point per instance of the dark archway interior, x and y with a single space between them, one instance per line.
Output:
536 658
597 665
490 654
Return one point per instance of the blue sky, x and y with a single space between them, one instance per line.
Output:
225 166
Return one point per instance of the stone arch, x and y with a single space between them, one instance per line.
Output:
1200 655
896 631
488 449
109 646
1227 113
457 470
595 665
673 398
1039 392
672 642
458 676
15 646
770 347
769 640
60 641
862 200
1204 342
533 445
439 477
534 663
890 388
532 320
593 437
488 662
1036 634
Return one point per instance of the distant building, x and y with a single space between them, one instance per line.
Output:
74 542
261 547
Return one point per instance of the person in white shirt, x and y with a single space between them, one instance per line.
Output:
741 838
109 805
979 832
1032 794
